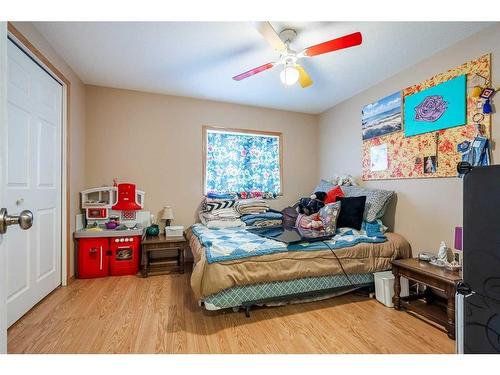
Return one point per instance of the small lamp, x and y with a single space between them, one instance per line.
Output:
167 215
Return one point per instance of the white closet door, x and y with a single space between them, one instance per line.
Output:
32 181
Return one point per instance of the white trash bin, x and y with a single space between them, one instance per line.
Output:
384 287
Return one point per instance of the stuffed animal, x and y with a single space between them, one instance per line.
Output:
345 180
319 195
312 205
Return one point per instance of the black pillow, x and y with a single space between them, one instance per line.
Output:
351 212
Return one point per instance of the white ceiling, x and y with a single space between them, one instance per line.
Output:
198 59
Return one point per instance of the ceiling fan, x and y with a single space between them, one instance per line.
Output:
292 70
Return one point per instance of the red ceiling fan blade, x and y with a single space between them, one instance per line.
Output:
346 41
253 71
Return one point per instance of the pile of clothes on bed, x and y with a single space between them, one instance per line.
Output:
354 207
270 218
230 211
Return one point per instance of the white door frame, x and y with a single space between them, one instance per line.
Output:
36 55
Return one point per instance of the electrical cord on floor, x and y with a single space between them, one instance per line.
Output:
340 263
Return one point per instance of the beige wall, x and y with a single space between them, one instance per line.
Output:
427 210
155 141
77 120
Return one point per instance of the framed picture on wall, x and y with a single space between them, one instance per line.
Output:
381 117
438 107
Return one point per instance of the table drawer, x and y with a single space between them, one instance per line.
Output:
429 281
164 246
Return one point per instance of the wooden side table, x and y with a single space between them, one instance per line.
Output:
428 304
162 265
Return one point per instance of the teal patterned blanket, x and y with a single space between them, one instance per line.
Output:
237 243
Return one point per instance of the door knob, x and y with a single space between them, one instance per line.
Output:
24 220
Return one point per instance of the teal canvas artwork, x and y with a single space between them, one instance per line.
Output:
438 107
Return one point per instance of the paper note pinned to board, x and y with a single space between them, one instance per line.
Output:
378 158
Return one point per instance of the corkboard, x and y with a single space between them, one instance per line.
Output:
406 154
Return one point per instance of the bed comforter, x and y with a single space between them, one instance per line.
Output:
210 278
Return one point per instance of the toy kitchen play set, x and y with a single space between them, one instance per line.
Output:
108 234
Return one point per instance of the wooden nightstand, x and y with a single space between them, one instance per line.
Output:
163 265
428 304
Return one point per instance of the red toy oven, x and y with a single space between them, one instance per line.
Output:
93 260
124 257
115 256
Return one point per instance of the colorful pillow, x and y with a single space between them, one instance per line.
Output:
311 222
329 215
310 226
324 186
332 195
376 200
351 212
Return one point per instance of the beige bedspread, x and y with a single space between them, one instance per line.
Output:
209 278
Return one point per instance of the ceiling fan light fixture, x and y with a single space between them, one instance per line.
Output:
293 71
289 75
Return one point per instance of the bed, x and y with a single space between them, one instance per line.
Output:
233 269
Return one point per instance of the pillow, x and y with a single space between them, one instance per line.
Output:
310 226
324 186
329 215
321 224
351 212
332 195
376 200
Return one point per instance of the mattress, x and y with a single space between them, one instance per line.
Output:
238 295
209 279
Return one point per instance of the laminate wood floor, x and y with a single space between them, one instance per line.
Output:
159 315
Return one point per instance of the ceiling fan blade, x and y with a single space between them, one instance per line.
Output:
253 71
271 36
304 79
346 41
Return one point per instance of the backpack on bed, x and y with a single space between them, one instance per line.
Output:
290 215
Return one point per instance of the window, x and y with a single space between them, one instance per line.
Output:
237 161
